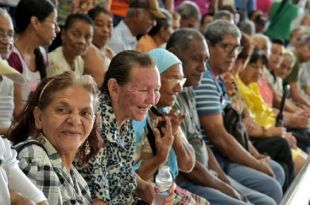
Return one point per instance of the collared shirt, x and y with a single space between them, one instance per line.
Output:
211 95
57 63
109 174
122 38
186 103
45 169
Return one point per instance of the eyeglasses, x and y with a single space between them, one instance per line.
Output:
9 36
174 81
229 48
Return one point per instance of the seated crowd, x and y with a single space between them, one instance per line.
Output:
97 96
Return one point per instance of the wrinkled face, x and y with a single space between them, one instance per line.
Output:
194 59
6 36
142 92
285 67
172 81
48 29
276 56
303 52
78 37
224 54
192 22
103 29
146 20
68 120
254 70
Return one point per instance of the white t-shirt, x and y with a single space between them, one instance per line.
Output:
11 176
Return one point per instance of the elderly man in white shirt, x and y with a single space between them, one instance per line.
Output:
140 19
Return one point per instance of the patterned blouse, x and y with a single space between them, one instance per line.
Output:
109 174
45 169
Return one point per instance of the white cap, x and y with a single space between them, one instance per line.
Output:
8 71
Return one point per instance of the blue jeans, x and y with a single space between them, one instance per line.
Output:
215 197
254 179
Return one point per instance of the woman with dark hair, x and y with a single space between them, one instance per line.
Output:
103 20
35 27
98 56
131 86
58 126
76 37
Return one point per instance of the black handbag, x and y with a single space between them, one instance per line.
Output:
235 126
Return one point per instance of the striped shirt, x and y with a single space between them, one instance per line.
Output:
211 95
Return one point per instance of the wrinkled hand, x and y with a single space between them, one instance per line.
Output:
170 198
176 119
298 121
265 167
163 143
98 202
291 139
230 84
229 190
274 131
42 203
17 199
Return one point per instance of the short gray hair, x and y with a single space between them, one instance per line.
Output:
181 38
4 12
247 26
188 9
217 29
223 13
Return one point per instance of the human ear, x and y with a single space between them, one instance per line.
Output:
37 114
113 88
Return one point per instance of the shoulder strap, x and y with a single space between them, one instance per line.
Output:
20 147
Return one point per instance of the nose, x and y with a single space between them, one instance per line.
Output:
74 119
152 97
202 67
6 39
178 88
57 29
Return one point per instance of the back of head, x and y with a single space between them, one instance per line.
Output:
26 9
188 10
181 38
224 15
247 26
77 17
217 29
121 66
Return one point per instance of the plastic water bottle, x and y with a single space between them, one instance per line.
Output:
163 182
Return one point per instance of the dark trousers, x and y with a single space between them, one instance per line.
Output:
279 150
